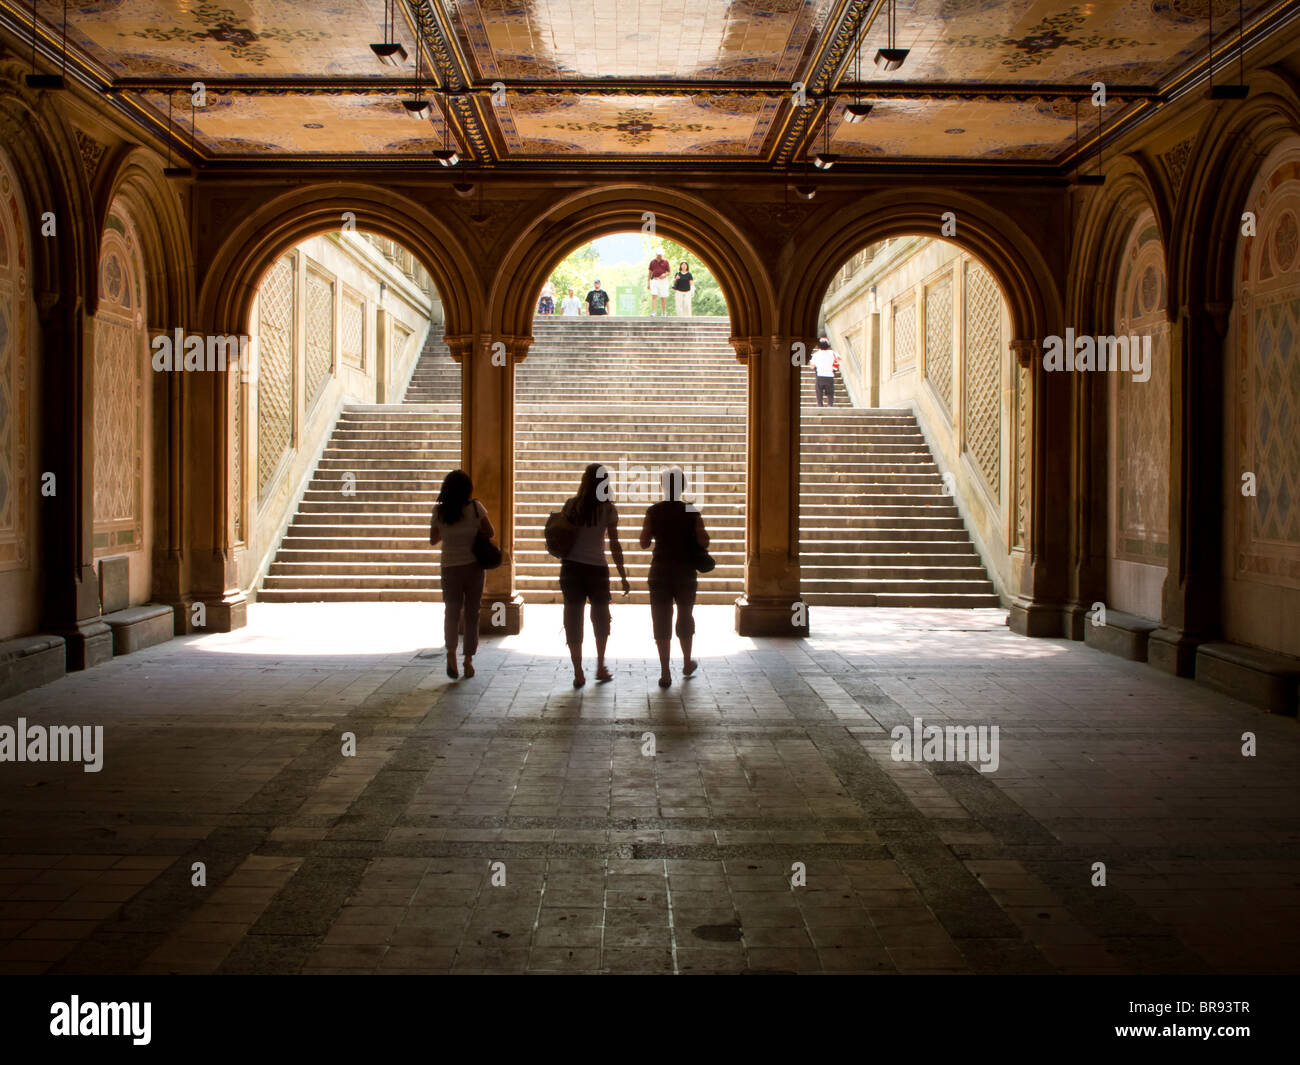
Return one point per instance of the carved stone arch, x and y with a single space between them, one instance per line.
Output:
1011 256
1132 187
591 213
231 278
134 177
1224 163
42 148
1225 160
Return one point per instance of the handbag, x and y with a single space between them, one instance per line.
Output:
486 553
561 534
699 557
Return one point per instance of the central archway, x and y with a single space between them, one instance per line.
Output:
608 380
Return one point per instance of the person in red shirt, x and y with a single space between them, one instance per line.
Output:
658 284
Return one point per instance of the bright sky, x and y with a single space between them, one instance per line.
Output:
619 248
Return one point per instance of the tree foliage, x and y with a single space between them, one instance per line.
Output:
577 271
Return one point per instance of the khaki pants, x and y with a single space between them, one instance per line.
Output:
683 302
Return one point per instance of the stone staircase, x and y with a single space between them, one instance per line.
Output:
636 394
876 528
372 543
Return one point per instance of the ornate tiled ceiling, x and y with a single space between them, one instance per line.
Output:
539 82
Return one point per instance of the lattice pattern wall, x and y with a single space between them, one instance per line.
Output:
353 330
904 334
982 352
1268 382
237 454
1140 462
1023 383
275 346
320 333
15 313
120 350
938 340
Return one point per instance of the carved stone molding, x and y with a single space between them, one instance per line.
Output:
1023 351
92 154
1174 162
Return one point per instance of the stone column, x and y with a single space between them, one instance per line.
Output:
1042 436
65 472
1190 613
1089 503
487 446
771 605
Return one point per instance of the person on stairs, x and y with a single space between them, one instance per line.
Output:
675 528
584 573
683 290
825 362
457 519
657 283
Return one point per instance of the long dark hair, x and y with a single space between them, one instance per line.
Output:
457 490
595 483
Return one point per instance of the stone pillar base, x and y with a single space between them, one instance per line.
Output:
219 615
1028 617
1074 621
1173 651
500 616
88 643
771 617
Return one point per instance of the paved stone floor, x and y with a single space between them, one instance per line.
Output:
227 750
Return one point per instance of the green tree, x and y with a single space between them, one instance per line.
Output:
578 269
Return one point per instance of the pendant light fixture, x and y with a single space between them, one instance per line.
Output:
1230 92
857 110
446 155
169 170
417 106
35 80
1087 179
891 57
825 159
389 51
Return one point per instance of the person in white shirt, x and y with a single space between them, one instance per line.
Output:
571 306
824 361
584 573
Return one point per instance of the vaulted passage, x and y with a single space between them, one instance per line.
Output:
975 331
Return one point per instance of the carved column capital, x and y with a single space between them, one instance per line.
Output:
1024 351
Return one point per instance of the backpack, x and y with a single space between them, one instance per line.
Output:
561 534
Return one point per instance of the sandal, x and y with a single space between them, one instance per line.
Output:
665 682
603 675
689 667
469 668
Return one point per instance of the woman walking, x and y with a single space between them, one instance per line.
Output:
683 290
457 520
584 573
679 535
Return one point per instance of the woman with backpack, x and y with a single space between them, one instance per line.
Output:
584 573
680 539
458 521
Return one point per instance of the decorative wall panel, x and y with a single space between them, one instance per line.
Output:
275 347
904 335
1024 380
121 347
353 329
236 431
15 428
320 333
1140 458
1267 444
938 340
982 351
